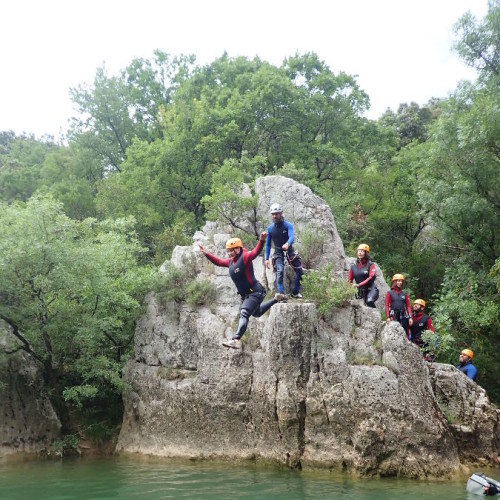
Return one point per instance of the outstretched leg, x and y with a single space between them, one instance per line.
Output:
264 307
248 308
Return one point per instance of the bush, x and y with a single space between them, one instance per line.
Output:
311 246
171 286
200 292
181 285
325 291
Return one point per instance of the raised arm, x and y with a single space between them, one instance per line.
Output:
252 254
213 258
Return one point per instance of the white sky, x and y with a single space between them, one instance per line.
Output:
400 50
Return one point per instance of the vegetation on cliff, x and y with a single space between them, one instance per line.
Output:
165 143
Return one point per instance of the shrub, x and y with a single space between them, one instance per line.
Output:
172 284
200 292
181 285
325 291
311 246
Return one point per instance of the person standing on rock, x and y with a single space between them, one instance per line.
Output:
249 288
280 233
465 364
363 273
397 304
421 322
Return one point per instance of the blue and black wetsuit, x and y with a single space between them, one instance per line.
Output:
280 233
469 369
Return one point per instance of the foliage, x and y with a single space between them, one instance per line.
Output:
71 291
179 285
478 43
466 314
228 201
311 246
200 292
461 175
180 233
66 446
21 163
410 122
326 291
115 110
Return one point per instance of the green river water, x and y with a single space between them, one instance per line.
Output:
154 479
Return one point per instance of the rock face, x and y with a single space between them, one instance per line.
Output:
28 422
475 423
343 391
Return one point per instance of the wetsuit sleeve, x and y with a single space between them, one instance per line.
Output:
470 371
217 260
350 278
291 235
387 304
248 256
430 326
371 275
267 251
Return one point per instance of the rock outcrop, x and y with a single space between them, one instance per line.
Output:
29 423
343 391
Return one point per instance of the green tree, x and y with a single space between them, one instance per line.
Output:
71 292
116 110
21 159
478 43
410 121
228 202
462 178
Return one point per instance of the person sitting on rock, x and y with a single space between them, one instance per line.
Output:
364 274
465 364
249 288
281 234
397 304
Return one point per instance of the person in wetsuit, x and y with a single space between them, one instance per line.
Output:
249 288
362 275
397 304
421 322
465 364
281 234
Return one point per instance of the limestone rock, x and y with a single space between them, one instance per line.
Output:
28 421
344 391
475 423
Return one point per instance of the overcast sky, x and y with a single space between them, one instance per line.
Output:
400 50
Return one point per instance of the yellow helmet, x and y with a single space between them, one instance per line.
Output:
364 246
233 243
398 277
468 352
421 302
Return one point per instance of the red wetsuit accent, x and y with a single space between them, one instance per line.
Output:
248 257
416 319
388 301
371 273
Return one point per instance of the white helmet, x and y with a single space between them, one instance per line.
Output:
276 208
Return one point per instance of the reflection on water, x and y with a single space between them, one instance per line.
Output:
155 479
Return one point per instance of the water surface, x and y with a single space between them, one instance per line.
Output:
155 479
